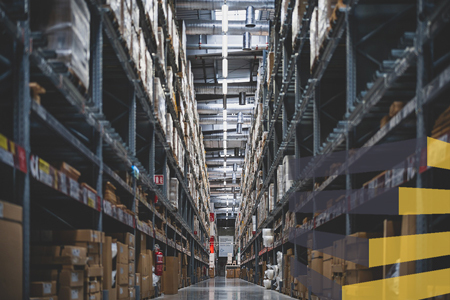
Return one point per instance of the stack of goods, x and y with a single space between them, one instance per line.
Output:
173 192
145 266
170 275
11 258
160 103
110 193
300 7
268 237
75 266
124 264
271 197
66 24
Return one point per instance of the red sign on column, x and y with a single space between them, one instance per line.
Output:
211 217
158 179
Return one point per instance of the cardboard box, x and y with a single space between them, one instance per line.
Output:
125 238
131 254
131 280
92 287
132 293
107 264
230 273
70 293
93 259
170 275
11 245
122 274
73 278
143 265
95 296
91 248
122 253
43 288
145 287
93 271
130 240
80 235
184 272
122 292
69 255
143 242
45 298
237 273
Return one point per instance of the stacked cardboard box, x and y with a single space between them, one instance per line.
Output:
170 275
11 256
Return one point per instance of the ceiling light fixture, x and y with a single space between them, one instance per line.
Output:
224 87
225 18
225 68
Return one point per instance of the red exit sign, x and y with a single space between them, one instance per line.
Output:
158 179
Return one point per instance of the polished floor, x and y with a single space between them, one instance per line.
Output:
221 288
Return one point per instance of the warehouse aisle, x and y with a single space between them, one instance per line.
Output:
226 289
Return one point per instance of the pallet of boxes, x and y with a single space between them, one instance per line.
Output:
119 255
66 264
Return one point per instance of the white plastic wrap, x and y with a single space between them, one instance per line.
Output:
67 28
173 192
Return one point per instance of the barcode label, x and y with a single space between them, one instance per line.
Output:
74 277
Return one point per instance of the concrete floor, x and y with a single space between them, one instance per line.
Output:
221 288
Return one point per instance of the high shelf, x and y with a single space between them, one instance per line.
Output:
110 132
321 106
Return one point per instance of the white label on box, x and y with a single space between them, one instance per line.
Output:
120 290
121 249
121 270
74 189
74 277
76 252
47 288
92 297
74 294
1 210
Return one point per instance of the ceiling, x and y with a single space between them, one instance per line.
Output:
204 50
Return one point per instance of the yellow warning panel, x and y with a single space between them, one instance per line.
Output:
438 153
409 287
421 246
417 201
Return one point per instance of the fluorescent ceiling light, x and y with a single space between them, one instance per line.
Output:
225 18
224 68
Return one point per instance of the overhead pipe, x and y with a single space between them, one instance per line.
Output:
240 122
217 4
250 20
219 46
230 137
242 96
247 41
214 27
218 185
218 120
216 89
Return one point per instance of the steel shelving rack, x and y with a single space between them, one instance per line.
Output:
337 107
83 128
